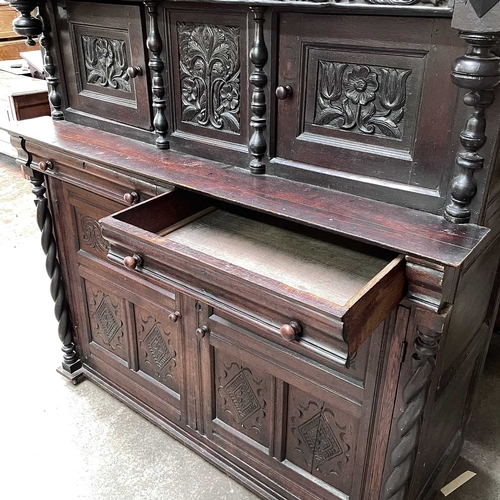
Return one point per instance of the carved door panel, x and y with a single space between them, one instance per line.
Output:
259 406
370 106
96 56
210 75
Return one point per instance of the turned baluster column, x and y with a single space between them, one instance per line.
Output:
479 72
49 67
71 362
155 46
26 25
258 78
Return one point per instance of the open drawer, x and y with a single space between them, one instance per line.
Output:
326 291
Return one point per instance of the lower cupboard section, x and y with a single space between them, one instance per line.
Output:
296 427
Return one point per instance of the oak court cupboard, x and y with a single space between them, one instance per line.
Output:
272 226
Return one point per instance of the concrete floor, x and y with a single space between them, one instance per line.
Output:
79 443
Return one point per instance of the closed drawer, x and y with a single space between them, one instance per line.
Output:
97 49
110 183
309 288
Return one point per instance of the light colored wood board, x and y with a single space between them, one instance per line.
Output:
15 85
184 222
326 270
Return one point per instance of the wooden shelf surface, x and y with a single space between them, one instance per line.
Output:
403 230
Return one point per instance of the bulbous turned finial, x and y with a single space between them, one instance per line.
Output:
26 25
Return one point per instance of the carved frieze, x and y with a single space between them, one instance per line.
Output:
106 62
92 234
209 64
363 99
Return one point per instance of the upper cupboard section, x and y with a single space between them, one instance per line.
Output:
104 58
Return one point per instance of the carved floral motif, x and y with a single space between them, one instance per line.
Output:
210 75
106 62
366 99
92 234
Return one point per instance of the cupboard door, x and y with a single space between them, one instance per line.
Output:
299 424
99 47
370 106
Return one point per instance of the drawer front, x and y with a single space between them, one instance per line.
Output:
97 49
264 408
363 114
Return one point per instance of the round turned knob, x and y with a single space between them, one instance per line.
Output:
284 92
202 331
134 71
289 331
45 165
131 198
132 261
173 317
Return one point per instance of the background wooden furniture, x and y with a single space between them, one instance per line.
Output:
21 98
11 44
288 260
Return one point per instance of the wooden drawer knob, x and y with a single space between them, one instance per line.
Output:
132 261
284 92
131 198
290 331
173 317
201 332
45 165
134 71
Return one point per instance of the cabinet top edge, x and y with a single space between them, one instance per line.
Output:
404 230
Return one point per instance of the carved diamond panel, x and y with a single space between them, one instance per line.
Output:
320 439
156 347
209 68
106 62
106 320
243 398
362 99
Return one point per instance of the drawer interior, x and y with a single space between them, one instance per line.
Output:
357 283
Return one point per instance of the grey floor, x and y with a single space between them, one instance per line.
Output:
76 443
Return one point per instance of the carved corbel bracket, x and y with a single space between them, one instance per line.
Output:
425 283
26 25
479 72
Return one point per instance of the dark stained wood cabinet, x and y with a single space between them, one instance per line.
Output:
269 231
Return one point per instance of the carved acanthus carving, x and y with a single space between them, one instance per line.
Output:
209 61
71 362
106 62
479 72
92 234
367 99
258 78
156 64
414 396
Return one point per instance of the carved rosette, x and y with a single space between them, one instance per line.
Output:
257 145
209 67
363 99
479 72
71 362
